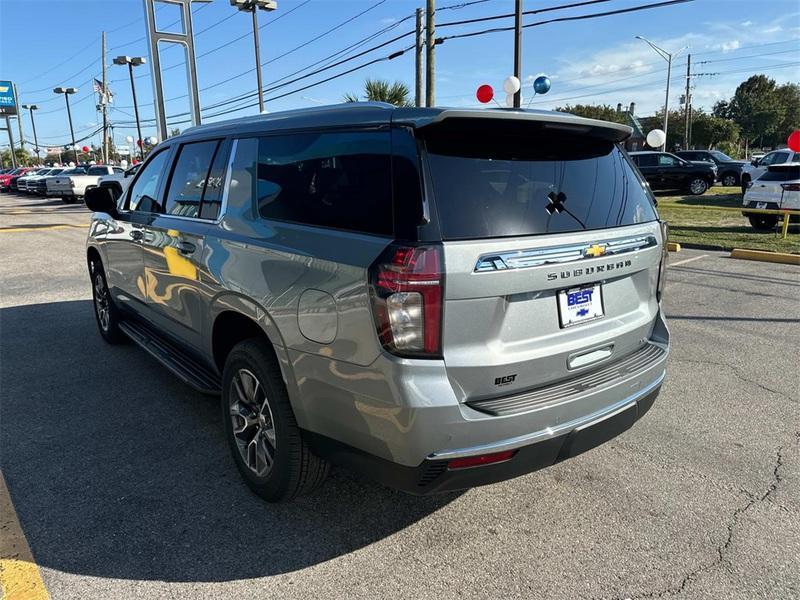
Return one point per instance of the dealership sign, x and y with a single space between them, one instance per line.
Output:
8 102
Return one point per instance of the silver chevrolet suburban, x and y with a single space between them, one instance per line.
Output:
438 298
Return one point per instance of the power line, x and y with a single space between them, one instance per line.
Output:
526 12
608 13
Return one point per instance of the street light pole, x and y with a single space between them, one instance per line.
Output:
67 92
134 61
251 6
667 57
31 108
518 51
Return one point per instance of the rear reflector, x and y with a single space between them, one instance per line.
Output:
479 461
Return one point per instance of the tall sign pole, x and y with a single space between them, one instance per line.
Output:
518 51
687 103
185 39
8 107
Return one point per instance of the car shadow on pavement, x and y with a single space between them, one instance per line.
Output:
118 470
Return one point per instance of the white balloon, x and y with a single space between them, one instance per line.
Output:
153 140
656 138
71 164
511 85
129 139
123 163
510 100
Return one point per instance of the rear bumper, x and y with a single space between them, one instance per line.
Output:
433 476
399 420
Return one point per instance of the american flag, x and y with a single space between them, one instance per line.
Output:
104 92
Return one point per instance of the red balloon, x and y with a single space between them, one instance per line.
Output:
485 93
794 140
85 148
138 142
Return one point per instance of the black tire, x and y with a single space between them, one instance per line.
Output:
763 222
729 179
697 186
745 182
294 470
108 323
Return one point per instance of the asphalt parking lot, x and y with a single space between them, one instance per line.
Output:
124 488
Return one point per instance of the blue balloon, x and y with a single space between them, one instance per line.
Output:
541 85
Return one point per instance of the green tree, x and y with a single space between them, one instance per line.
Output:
380 90
603 112
709 130
789 96
23 158
757 107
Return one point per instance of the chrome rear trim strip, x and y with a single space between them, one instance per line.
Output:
534 257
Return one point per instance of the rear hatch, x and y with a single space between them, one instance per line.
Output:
778 187
551 247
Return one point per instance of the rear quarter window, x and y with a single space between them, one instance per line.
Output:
520 180
340 180
789 174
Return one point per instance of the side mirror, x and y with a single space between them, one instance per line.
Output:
101 199
754 162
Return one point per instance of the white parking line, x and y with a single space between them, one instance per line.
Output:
688 260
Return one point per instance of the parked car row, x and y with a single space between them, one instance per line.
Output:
68 183
665 171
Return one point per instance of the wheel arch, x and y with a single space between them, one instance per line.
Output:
235 318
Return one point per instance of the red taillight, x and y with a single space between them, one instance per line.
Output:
791 187
479 461
407 289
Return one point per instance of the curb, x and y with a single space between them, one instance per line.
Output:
673 247
761 255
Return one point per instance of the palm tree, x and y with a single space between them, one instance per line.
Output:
380 90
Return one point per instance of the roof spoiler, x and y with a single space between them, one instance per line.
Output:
557 121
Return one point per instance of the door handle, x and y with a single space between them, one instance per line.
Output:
136 235
186 247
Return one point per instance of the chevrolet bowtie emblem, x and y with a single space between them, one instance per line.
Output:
595 250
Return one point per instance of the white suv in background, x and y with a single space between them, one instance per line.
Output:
758 166
777 188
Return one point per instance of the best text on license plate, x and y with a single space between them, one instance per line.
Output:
578 305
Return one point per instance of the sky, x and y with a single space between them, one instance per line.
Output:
49 43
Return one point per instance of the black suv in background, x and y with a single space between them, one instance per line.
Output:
729 171
665 171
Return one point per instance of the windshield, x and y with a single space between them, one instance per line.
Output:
721 156
491 183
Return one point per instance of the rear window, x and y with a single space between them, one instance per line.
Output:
498 180
784 174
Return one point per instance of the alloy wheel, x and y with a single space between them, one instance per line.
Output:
101 301
729 181
252 422
697 186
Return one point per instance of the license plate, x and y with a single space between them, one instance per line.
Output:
579 305
761 205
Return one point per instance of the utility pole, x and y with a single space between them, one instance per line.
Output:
518 51
418 61
67 92
430 54
104 103
687 103
31 108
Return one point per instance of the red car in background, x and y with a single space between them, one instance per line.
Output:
5 179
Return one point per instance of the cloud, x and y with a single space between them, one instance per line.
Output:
773 29
388 21
728 46
746 23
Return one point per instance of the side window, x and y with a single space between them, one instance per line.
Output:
97 171
189 177
779 158
664 160
339 180
646 160
145 188
119 170
212 197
